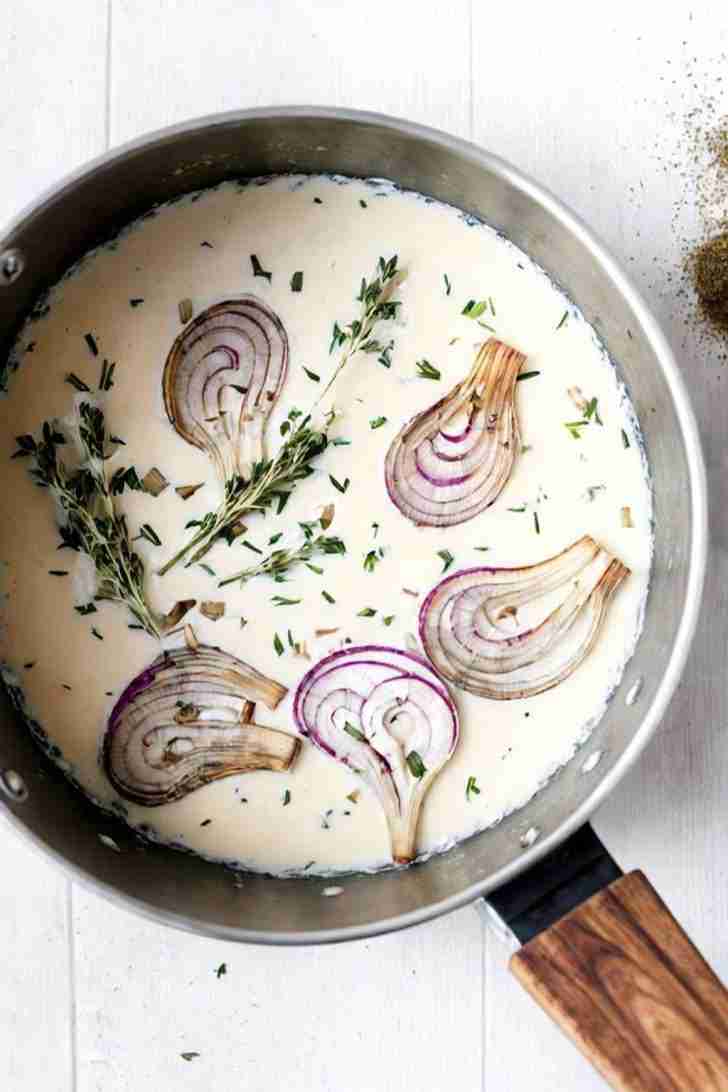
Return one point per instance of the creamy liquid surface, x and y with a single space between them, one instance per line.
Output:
574 486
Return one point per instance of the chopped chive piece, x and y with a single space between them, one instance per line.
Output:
426 370
258 270
536 523
521 508
282 601
473 309
338 485
375 529
377 422
563 319
527 375
58 572
354 732
471 789
625 439
448 286
388 620
574 428
250 546
485 326
297 281
447 559
85 608
492 306
275 538
91 342
208 568
341 442
592 412
286 797
291 642
327 597
314 568
79 384
137 301
482 549
278 645
363 203
366 612
385 357
416 765
96 633
312 375
185 310
106 380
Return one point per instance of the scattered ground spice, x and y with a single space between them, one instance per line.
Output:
709 268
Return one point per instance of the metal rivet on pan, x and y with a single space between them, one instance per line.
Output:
12 265
591 762
329 892
13 785
531 836
634 691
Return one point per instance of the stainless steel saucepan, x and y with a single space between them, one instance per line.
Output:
616 971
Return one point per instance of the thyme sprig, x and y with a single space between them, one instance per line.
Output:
272 480
278 563
92 524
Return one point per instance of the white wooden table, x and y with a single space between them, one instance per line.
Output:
589 99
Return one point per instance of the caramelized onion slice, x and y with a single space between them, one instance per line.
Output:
452 460
385 714
187 720
472 627
222 377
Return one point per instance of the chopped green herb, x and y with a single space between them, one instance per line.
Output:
136 302
125 477
85 608
377 422
314 568
563 319
482 549
536 524
426 370
106 380
385 357
485 326
208 568
286 798
388 620
363 203
375 529
221 970
341 442
282 601
258 270
147 531
625 439
312 375
416 765
448 286
79 384
297 281
371 561
317 201
185 309
471 788
366 612
473 309
291 642
275 538
521 508
527 375
492 306
278 645
327 597
58 572
355 733
188 1055
574 428
250 546
447 559
591 411
96 633
338 485
91 342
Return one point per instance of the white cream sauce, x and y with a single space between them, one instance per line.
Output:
574 486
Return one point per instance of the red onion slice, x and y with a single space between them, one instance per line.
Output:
222 377
385 714
452 460
187 720
470 630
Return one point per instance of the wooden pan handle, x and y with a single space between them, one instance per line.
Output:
623 980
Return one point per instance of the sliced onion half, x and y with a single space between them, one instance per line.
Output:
482 631
452 460
187 720
385 714
222 377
